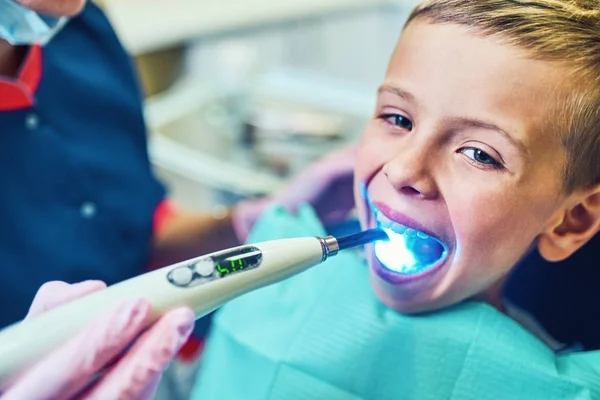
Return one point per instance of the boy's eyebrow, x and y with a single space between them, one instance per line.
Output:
468 122
400 93
476 123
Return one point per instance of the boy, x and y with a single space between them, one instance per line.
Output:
484 144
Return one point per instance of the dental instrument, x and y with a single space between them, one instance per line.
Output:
203 284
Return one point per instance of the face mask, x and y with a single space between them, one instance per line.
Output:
22 26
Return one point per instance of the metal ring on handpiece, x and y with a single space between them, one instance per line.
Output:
329 245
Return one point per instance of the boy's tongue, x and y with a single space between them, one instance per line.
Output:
426 251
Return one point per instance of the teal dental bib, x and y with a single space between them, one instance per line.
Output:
324 335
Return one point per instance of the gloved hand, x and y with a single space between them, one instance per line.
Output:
326 185
67 371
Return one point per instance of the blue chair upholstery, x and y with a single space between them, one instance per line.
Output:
564 296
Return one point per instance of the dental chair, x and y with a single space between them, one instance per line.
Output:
564 297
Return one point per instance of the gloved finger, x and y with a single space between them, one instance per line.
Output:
149 392
70 368
137 374
55 293
340 161
317 181
336 164
326 185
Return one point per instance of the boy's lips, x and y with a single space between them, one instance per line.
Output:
401 220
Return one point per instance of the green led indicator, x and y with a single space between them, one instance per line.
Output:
228 264
222 270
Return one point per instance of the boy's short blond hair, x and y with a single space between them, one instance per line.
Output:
563 31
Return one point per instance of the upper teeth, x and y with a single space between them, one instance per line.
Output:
385 222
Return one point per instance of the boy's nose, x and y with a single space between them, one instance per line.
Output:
409 173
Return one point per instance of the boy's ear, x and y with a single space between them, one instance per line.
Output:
572 228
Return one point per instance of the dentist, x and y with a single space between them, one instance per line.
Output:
81 204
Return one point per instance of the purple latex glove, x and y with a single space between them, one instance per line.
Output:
326 185
67 372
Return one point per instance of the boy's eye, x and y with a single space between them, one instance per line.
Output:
480 158
398 120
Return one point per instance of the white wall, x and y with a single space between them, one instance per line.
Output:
354 47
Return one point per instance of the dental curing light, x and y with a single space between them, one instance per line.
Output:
203 284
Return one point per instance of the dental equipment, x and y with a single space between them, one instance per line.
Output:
203 284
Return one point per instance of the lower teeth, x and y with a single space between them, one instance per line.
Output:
409 254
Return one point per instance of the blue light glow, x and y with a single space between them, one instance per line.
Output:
397 255
393 253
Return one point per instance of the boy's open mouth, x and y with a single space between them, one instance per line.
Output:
408 251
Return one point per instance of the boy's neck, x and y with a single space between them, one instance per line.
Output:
494 295
11 58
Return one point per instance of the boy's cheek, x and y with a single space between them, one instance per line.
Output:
367 166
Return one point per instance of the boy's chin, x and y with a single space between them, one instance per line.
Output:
402 302
404 293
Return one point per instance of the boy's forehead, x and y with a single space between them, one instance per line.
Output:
453 51
450 70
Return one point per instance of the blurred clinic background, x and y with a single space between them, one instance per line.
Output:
242 94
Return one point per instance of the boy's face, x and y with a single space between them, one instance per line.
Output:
461 146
